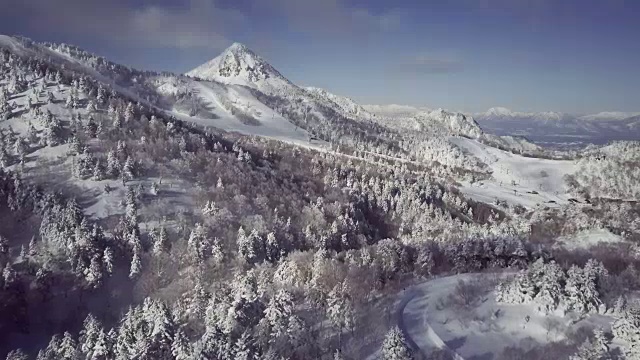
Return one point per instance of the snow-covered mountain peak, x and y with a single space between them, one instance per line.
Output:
498 111
236 46
239 65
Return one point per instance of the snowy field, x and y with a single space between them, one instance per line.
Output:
526 181
481 331
588 238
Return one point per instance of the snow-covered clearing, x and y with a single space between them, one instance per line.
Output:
484 329
588 238
526 181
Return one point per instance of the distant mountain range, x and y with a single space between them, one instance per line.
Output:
555 127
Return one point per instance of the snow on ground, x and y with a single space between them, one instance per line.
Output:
270 124
588 238
526 181
430 319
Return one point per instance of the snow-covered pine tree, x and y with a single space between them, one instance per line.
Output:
243 347
9 275
199 243
627 329
107 259
93 274
551 288
113 164
89 334
394 346
340 309
91 107
129 112
575 292
128 169
136 265
17 354
181 348
100 96
277 314
70 101
4 246
68 349
209 208
160 241
425 262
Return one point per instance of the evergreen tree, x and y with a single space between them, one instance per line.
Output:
113 164
70 101
93 274
17 354
89 334
98 171
395 347
199 243
278 313
136 265
91 106
128 169
4 245
68 349
340 308
33 249
101 96
160 242
594 349
181 349
107 259
551 288
129 113
9 275
272 248
91 128
627 328
243 347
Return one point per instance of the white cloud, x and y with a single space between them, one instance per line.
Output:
195 24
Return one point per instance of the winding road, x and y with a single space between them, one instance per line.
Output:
431 339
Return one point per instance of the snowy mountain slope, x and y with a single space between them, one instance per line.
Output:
517 179
348 106
125 80
237 110
394 110
425 120
238 102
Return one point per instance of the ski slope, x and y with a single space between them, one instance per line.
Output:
525 181
219 98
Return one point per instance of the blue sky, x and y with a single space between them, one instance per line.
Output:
578 56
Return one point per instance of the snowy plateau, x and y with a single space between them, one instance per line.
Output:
228 213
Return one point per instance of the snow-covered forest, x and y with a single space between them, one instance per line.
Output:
134 227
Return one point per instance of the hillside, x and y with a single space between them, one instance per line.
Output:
229 213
